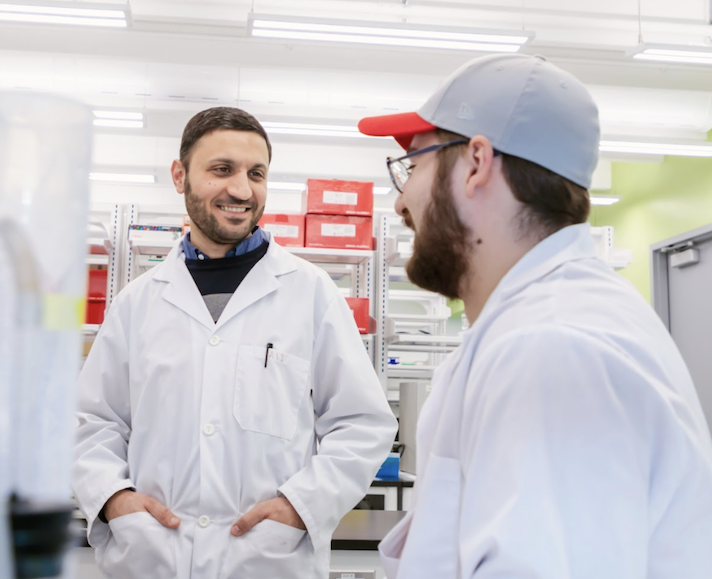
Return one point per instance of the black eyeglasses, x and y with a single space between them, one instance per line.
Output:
400 171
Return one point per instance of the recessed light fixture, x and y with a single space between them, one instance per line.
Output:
119 119
651 148
380 33
604 200
122 177
673 53
71 13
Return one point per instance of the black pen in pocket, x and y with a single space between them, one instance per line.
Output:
269 346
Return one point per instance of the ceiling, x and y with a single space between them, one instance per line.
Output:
180 56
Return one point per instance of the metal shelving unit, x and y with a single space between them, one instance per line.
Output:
103 248
143 254
412 322
90 329
333 256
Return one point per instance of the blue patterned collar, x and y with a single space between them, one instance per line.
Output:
257 238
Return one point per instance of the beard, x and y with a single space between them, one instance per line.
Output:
440 247
203 219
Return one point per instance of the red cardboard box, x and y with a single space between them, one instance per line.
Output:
287 230
339 232
359 306
333 197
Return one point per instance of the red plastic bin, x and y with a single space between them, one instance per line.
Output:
96 296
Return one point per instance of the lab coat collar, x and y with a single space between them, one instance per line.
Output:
262 280
568 244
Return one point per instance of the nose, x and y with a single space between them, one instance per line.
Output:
399 205
239 186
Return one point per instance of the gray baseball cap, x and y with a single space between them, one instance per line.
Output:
524 105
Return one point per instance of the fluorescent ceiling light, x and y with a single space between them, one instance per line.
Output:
646 148
122 115
382 190
118 119
312 130
386 34
672 53
72 13
604 200
122 177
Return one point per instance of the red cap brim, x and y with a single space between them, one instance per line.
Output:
402 127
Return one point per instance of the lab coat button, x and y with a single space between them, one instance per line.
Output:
203 521
214 341
209 429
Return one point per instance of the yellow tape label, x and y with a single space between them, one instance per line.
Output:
63 312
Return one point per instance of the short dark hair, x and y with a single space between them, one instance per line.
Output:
551 202
214 119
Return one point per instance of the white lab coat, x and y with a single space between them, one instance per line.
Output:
184 410
563 439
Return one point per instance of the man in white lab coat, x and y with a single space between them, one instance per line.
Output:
229 415
564 439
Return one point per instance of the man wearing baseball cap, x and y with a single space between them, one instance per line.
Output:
564 438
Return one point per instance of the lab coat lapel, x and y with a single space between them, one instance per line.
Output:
260 282
181 290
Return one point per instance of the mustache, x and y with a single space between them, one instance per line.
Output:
408 220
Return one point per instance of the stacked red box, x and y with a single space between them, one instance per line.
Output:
360 307
334 197
339 214
96 296
286 229
339 232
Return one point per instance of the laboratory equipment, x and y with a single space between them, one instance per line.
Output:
45 155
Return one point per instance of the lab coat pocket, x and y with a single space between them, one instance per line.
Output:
267 399
392 546
139 546
270 550
432 546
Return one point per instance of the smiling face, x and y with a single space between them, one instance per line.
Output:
225 187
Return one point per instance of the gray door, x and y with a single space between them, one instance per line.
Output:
689 303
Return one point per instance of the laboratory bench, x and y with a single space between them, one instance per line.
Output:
362 530
396 493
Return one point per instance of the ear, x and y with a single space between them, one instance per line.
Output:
178 173
480 161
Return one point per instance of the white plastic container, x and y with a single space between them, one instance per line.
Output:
45 156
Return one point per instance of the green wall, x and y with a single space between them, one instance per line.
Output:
657 201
